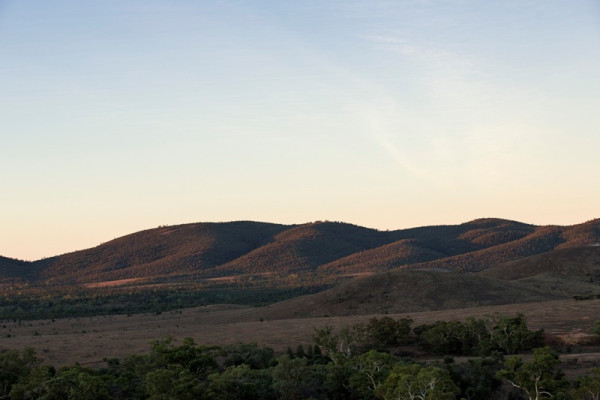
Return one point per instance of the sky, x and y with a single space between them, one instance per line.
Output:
118 116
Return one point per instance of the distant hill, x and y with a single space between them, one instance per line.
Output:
14 269
407 291
553 275
253 253
570 271
304 248
540 240
383 258
180 249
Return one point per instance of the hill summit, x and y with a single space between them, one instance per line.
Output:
326 252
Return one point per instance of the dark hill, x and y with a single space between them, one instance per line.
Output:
305 247
569 263
539 241
11 269
383 258
406 291
162 251
469 236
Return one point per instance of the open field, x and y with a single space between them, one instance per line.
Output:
89 340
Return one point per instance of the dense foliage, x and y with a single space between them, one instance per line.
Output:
82 302
358 362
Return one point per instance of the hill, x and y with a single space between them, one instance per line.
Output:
278 260
407 291
570 271
11 269
154 253
306 247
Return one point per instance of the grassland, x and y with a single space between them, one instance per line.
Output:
89 340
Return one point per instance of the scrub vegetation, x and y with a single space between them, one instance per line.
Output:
372 360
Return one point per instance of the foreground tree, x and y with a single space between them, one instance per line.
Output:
416 382
372 369
338 346
172 383
538 379
14 366
588 387
385 332
241 382
294 379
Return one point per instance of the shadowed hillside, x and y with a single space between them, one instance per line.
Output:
572 271
386 257
161 251
306 247
470 236
539 241
406 291
11 269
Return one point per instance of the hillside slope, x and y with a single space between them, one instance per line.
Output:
305 247
162 251
11 269
324 252
406 291
571 271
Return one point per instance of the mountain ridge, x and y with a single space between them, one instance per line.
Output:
323 250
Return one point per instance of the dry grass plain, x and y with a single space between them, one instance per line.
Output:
89 340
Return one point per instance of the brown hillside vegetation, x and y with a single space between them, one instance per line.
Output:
386 257
267 254
579 263
406 291
539 241
161 251
306 247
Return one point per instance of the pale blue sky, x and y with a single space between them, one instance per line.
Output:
118 116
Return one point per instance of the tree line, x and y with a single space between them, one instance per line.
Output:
363 361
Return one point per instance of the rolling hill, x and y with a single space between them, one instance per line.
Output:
407 291
163 251
554 275
14 269
324 252
569 271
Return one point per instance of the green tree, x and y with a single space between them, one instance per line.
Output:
476 378
31 387
510 335
338 346
416 382
250 354
73 383
372 369
596 328
538 379
240 382
14 366
588 387
387 332
445 338
294 379
172 383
